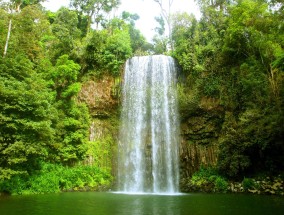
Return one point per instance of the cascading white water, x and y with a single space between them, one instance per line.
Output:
149 133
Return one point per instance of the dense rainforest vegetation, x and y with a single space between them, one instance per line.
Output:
231 63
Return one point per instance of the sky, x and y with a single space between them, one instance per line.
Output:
146 9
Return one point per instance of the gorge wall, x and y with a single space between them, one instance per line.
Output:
200 130
200 127
102 97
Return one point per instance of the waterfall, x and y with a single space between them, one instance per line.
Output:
149 133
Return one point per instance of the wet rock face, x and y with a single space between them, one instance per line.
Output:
200 132
203 127
101 96
192 156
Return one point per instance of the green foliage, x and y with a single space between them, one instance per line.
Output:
54 178
95 9
107 51
248 183
66 33
279 62
30 27
207 179
72 133
100 151
72 123
4 20
26 119
103 144
160 44
234 55
161 29
64 74
41 117
118 49
211 86
188 100
221 185
95 46
139 44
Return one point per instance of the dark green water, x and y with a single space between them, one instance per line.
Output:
120 204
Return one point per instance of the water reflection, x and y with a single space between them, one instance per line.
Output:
153 204
122 204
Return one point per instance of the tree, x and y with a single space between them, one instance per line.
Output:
73 118
167 15
234 54
94 9
14 6
160 41
139 44
19 4
66 32
107 50
30 34
26 115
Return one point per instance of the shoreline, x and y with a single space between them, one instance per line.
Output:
265 186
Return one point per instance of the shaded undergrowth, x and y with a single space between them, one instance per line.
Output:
55 178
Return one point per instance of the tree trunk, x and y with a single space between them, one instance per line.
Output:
17 9
166 14
8 38
89 24
90 21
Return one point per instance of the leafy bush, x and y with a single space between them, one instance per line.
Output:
53 178
221 185
14 186
207 179
248 183
106 51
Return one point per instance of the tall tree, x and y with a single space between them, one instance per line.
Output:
26 115
166 6
139 44
94 9
72 130
66 32
160 40
234 54
107 50
14 6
